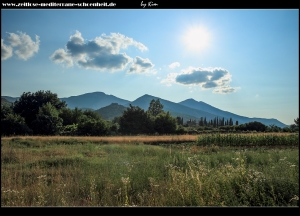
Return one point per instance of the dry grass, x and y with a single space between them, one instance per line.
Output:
115 139
133 139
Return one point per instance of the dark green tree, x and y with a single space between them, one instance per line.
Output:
201 122
164 123
179 120
92 114
28 104
91 124
136 121
92 127
252 126
273 128
13 124
71 116
155 107
47 121
230 121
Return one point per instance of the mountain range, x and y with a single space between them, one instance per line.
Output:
110 106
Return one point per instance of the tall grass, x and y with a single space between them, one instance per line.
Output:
37 172
256 140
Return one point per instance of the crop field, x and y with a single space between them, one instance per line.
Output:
240 170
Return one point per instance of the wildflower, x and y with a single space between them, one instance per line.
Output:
125 180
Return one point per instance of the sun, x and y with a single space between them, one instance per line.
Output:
196 38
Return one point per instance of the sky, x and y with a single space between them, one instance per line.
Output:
244 61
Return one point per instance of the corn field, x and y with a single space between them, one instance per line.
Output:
248 140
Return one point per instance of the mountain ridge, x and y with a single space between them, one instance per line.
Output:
188 109
241 119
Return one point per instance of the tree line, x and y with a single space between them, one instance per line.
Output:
43 113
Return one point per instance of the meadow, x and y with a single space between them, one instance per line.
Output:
233 170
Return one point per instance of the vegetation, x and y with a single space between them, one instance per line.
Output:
136 121
5 102
248 140
183 170
124 171
109 112
42 113
155 107
73 157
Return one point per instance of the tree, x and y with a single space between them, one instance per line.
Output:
164 123
28 104
71 116
273 128
92 127
251 126
201 122
13 124
155 107
91 124
136 121
179 120
47 121
230 121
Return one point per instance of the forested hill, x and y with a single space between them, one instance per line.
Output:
110 106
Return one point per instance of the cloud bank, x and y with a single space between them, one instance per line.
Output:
102 53
24 47
217 79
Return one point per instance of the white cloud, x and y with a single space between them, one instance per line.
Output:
225 89
23 45
174 65
169 79
141 66
60 56
6 51
207 78
99 54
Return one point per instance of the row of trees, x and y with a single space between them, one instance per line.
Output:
216 122
42 113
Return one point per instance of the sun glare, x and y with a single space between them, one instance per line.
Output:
196 38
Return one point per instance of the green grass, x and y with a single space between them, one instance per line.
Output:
255 140
37 172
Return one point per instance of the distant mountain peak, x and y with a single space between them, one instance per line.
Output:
191 100
147 95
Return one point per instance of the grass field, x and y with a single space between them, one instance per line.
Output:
135 171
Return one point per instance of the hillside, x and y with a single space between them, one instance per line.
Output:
94 100
10 99
199 105
111 111
175 109
5 102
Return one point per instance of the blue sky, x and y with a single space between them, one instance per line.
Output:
244 61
